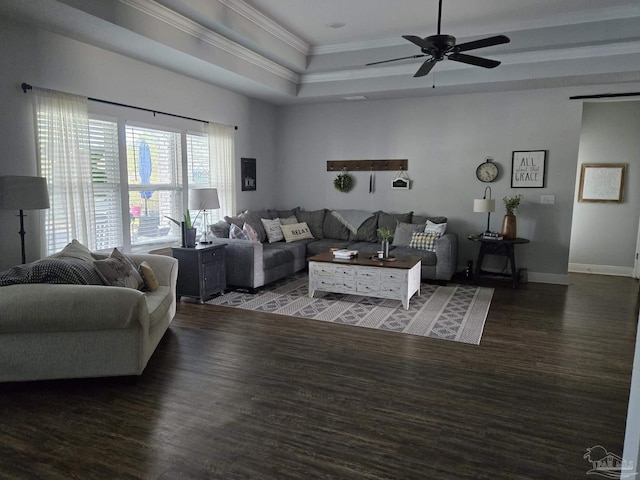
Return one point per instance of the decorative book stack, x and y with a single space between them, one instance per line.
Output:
492 236
345 254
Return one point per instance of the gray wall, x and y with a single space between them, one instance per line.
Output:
610 134
51 61
444 139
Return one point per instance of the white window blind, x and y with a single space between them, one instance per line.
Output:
154 159
105 172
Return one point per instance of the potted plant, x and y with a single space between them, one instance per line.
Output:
188 230
386 234
511 204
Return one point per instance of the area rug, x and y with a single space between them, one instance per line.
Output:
453 312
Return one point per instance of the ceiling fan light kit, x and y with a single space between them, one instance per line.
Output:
440 46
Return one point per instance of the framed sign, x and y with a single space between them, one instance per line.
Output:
248 173
528 169
602 182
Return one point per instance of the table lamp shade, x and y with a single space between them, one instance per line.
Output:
203 199
484 205
23 193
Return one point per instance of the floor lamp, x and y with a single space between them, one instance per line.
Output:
203 199
485 205
23 193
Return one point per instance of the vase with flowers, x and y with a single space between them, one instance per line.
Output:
511 204
385 234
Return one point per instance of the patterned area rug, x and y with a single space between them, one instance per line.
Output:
454 312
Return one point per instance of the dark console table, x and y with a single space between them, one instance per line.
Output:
201 271
504 247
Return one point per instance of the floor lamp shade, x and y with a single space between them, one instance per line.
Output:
23 193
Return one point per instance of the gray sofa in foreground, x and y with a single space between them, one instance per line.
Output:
52 331
252 264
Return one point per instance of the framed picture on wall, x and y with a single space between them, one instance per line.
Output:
528 168
602 182
248 174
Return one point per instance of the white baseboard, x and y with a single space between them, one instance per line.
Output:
601 269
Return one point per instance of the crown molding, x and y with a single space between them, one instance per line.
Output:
188 26
266 24
599 15
597 51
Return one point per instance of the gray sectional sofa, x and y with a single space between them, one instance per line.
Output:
252 264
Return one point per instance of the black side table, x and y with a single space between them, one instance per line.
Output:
504 247
201 271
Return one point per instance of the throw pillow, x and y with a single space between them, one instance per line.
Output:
250 232
390 220
148 275
295 232
272 227
314 220
284 213
367 232
119 271
52 270
252 218
437 228
402 235
288 220
333 228
424 241
75 250
220 229
236 232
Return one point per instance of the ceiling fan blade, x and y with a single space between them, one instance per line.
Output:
473 60
421 42
395 59
426 67
484 42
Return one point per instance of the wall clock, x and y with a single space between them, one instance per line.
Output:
487 171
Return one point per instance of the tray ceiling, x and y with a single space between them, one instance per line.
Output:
294 51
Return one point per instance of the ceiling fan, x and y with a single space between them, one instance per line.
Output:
438 47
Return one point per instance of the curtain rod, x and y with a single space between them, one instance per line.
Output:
605 95
26 86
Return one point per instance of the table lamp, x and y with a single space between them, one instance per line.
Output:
204 199
23 193
485 205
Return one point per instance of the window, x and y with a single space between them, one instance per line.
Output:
154 175
117 183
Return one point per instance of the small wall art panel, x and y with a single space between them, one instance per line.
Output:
602 182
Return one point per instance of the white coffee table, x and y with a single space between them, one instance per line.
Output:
398 280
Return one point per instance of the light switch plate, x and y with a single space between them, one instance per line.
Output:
548 199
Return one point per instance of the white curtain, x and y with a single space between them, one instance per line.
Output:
63 156
222 165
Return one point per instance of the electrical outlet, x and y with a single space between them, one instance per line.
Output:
548 199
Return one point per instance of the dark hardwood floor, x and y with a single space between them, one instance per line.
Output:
231 394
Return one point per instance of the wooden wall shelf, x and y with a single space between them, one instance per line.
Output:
367 165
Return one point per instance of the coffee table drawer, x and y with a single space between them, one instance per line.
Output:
327 270
337 285
367 287
393 289
392 276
